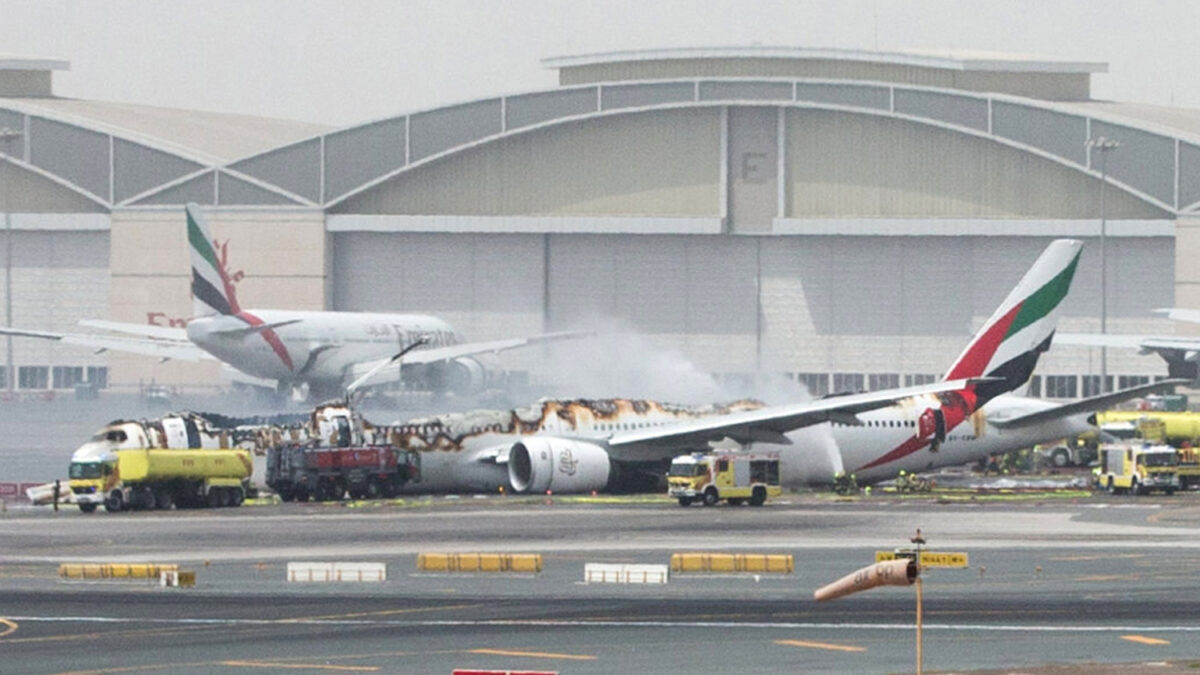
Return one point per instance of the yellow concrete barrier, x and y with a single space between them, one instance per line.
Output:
145 571
728 563
530 563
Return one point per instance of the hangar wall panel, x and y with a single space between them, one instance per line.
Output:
28 192
699 292
486 286
1187 273
276 259
753 168
847 165
139 168
660 164
356 156
58 278
79 155
879 304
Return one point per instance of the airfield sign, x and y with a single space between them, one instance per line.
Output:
928 558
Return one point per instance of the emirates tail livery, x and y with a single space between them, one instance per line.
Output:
317 351
585 445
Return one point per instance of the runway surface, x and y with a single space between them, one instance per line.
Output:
1097 581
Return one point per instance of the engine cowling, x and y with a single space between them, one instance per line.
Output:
463 375
539 464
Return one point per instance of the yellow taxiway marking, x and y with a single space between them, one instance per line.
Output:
294 666
820 645
1145 640
536 655
10 627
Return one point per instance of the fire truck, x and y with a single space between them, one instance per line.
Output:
734 477
334 458
1138 469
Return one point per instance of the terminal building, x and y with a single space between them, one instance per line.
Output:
848 218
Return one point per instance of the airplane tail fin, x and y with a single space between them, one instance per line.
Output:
1009 344
212 290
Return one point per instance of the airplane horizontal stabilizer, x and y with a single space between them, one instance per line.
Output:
251 330
1087 405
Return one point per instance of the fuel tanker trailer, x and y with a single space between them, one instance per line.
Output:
120 468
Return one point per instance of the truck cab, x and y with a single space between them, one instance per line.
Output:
1138 469
734 477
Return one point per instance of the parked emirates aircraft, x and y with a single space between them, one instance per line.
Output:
320 351
585 445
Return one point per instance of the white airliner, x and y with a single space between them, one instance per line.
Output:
585 445
1181 352
322 351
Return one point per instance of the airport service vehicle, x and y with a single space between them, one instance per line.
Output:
1177 428
734 477
300 473
150 478
1138 469
1188 467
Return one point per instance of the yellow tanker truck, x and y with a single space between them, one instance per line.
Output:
1177 427
145 478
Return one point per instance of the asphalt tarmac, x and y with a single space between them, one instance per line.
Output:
1087 581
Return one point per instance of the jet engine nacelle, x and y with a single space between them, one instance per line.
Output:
463 376
557 464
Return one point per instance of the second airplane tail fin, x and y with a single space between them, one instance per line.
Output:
1009 344
212 290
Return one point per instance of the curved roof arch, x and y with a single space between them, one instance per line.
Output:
1158 165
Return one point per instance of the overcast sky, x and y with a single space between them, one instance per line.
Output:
340 62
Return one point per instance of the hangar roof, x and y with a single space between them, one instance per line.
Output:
942 59
206 136
1179 120
1017 74
13 62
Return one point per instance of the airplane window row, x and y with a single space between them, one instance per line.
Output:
628 426
880 423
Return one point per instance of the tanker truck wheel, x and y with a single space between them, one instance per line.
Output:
685 501
87 508
711 497
115 502
162 499
236 496
214 497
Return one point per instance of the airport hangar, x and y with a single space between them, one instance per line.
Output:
845 217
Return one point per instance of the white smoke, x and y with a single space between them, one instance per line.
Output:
619 362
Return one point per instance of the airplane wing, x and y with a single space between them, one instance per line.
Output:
1087 405
1119 340
145 330
767 424
438 354
1176 314
162 349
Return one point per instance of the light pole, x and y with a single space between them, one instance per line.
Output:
7 135
1104 146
